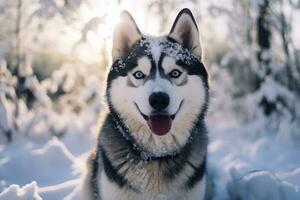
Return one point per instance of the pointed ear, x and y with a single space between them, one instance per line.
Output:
185 32
125 35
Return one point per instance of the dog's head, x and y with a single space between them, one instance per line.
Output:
157 86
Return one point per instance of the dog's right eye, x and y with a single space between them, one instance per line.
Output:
139 75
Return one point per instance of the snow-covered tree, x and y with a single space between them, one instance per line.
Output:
259 59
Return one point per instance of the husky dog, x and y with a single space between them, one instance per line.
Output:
153 140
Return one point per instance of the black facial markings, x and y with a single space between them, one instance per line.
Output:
189 62
193 66
123 65
126 63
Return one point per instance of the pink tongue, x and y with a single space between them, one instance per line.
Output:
160 124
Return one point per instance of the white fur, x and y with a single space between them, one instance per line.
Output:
155 44
110 191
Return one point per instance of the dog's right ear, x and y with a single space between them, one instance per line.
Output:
125 35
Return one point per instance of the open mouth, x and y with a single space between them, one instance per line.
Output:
160 123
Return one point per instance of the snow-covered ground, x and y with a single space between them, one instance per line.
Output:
242 166
30 170
255 168
246 161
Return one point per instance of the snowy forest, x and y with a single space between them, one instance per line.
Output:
54 59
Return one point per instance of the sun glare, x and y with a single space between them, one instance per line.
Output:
100 19
105 30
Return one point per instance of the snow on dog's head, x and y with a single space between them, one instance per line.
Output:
157 86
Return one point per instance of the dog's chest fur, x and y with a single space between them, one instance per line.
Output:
113 192
128 173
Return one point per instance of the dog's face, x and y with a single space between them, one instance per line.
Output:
158 86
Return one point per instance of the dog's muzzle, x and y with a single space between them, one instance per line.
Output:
160 123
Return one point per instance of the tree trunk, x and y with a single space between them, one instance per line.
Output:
263 53
263 37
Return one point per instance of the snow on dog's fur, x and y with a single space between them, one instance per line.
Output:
153 140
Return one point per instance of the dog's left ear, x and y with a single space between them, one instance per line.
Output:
185 32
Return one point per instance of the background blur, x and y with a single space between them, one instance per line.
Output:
54 57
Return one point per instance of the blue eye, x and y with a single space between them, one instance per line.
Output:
175 73
138 75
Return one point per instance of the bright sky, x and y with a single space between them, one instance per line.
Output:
296 29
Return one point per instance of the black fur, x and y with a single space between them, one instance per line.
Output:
111 171
95 168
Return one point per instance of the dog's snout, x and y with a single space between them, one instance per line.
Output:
159 100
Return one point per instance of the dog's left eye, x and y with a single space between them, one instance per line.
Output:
139 75
175 73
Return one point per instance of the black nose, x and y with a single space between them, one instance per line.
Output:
159 100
